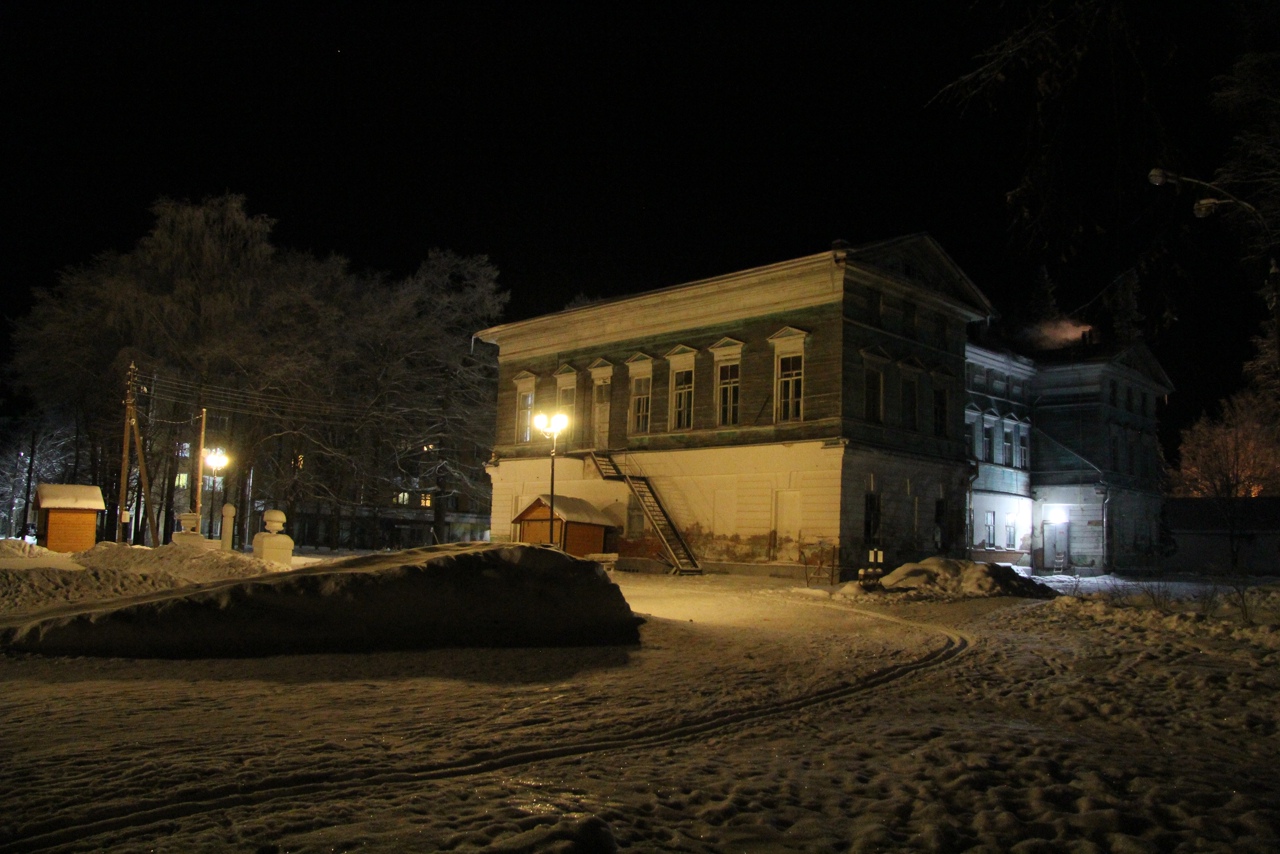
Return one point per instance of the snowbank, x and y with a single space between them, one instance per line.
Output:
938 576
444 596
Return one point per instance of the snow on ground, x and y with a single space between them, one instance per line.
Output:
753 716
465 595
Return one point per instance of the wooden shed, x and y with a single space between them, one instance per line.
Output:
580 528
67 519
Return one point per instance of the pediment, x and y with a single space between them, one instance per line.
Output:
524 376
639 357
679 350
565 370
876 354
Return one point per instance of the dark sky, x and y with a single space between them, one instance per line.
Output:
601 150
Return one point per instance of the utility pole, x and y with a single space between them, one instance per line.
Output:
144 485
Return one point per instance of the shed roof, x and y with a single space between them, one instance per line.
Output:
570 510
69 496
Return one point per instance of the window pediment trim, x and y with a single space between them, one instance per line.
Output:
726 348
876 356
566 370
524 377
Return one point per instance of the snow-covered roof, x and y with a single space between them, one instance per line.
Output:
572 510
69 496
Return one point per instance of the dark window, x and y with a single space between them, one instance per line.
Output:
728 383
940 412
874 403
790 387
909 405
1007 459
871 520
682 400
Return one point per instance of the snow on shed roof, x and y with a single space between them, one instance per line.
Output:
69 496
572 510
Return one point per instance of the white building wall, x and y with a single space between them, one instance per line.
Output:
728 501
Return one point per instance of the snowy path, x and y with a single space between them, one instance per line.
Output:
751 719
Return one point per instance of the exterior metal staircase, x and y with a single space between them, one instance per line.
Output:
678 552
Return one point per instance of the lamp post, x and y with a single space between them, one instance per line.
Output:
215 459
551 428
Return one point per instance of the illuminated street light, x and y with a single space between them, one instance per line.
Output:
216 460
551 428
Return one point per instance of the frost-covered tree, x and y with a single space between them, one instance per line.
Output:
328 388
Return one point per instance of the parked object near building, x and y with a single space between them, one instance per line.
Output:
825 406
579 528
68 516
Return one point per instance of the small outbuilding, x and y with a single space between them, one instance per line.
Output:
67 516
580 527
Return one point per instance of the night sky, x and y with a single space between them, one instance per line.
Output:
601 150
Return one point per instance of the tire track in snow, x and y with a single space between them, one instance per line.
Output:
144 820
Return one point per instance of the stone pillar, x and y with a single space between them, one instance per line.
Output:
228 525
271 545
190 533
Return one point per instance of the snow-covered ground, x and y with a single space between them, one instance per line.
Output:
753 716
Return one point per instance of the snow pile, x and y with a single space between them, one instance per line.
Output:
42 587
1265 634
445 596
183 562
20 548
945 577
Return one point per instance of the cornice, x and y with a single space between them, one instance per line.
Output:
788 286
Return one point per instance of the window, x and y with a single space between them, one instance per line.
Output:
988 437
788 373
990 541
727 384
871 519
971 438
641 392
524 415
940 412
873 404
180 482
940 330
682 399
790 387
1010 532
401 498
525 385
910 407
1007 459
1024 449
566 396
909 319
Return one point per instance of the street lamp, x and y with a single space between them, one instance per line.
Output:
1209 205
551 428
215 459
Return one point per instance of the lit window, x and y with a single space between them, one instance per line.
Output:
424 499
641 388
991 529
401 498
1010 533
727 393
180 482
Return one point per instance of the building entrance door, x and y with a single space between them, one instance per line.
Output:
1057 546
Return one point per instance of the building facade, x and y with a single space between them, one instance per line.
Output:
825 410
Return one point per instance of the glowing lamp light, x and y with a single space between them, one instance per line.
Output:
215 458
1058 515
550 427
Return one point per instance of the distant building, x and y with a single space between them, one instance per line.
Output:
826 409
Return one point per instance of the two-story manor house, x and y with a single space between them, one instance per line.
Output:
819 410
